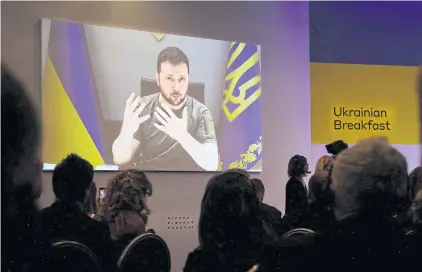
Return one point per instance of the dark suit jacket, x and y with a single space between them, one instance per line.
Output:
272 216
296 204
65 221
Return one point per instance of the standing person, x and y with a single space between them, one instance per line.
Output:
271 215
324 163
296 193
168 130
321 200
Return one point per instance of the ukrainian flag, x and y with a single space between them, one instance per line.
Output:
71 122
240 125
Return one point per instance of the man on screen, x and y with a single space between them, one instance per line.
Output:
168 130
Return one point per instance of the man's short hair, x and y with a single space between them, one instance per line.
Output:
369 177
72 178
258 185
20 129
173 55
240 171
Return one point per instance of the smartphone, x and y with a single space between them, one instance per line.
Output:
102 193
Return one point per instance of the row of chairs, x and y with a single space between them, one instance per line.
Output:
147 252
301 235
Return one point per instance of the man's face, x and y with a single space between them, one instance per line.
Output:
173 82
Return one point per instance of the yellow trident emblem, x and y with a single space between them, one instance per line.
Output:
158 36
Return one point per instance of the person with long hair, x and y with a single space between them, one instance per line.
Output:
231 231
321 199
125 205
296 194
91 201
324 163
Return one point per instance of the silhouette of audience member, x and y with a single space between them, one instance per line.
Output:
231 231
369 181
270 215
125 206
417 211
320 216
296 194
91 202
240 171
324 163
66 218
23 248
415 180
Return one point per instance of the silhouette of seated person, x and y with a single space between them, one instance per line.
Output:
231 231
66 218
369 182
271 215
125 206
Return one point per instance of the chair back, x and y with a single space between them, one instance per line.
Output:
147 253
299 236
71 256
195 90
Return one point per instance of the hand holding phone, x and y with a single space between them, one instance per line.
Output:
102 195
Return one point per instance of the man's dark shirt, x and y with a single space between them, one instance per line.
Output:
65 221
159 151
272 216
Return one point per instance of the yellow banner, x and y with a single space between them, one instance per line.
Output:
355 101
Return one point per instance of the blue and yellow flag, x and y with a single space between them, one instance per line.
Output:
71 120
240 125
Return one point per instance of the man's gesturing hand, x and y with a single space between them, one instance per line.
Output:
131 118
172 125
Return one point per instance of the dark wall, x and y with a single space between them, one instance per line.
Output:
383 33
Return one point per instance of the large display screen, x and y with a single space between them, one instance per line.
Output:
125 98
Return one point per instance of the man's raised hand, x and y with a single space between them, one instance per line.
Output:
172 125
132 118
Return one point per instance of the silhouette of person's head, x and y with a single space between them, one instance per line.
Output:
20 176
369 178
72 179
230 214
298 166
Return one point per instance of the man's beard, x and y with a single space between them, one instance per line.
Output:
171 101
